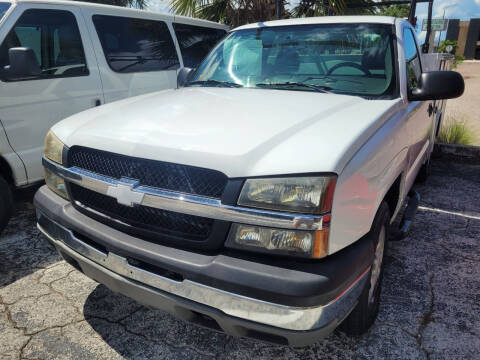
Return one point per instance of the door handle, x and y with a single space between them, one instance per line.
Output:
98 102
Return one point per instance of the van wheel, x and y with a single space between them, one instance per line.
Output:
6 203
365 313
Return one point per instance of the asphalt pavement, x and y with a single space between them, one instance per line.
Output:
430 301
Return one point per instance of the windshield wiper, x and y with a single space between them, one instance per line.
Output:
318 88
330 79
136 60
214 83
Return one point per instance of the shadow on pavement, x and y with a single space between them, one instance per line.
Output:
23 249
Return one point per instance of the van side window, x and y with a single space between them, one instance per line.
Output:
412 58
54 37
136 45
196 42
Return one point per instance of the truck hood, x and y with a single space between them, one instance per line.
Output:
240 132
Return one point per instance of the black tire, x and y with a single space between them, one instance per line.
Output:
365 312
424 172
6 203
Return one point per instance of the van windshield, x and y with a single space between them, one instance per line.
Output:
3 8
352 59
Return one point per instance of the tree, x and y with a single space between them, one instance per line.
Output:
399 11
307 8
230 12
139 4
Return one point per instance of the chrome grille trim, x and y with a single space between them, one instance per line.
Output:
191 204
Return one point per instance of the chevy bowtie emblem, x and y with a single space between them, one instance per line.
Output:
124 192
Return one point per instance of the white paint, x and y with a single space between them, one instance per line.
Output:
456 213
322 20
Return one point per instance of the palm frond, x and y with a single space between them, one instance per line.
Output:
214 10
185 7
138 4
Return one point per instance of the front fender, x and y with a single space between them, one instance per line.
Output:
364 182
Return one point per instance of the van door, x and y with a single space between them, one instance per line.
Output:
135 55
69 81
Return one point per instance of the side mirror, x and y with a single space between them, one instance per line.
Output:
438 85
23 64
184 76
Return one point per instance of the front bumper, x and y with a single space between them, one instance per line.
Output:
76 237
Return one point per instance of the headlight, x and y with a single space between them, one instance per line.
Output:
55 183
308 244
310 195
53 149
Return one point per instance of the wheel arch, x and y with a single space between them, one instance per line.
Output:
6 171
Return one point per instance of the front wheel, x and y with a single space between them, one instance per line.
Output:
365 313
6 203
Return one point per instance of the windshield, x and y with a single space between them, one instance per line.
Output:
3 8
354 59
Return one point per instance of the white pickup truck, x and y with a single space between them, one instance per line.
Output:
257 198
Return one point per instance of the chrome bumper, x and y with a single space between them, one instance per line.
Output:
128 192
280 316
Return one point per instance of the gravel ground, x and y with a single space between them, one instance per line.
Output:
430 301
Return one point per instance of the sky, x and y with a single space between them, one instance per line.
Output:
454 9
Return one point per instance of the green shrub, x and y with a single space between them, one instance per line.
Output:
458 60
442 48
455 131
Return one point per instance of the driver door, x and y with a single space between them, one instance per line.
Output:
69 81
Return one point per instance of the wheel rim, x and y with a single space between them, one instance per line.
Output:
377 266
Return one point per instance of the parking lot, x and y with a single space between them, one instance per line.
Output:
430 302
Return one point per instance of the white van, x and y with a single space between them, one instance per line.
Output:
58 58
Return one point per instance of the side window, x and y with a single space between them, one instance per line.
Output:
54 37
196 42
412 58
136 45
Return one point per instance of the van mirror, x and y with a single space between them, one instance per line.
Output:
184 76
438 85
23 64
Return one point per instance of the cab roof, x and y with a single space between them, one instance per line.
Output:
323 20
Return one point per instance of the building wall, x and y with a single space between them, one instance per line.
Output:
462 37
453 29
473 36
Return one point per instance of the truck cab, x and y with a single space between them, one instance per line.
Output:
258 197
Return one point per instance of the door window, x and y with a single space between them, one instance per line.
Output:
196 42
412 58
54 37
136 45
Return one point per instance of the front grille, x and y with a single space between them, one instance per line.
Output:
158 174
144 217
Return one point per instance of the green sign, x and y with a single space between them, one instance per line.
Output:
437 24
